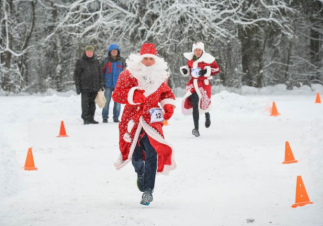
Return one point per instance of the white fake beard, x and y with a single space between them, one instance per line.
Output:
149 78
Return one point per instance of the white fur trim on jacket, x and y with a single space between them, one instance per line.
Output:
208 71
131 93
157 137
151 133
206 110
198 92
184 110
131 123
206 58
168 101
148 55
168 168
120 163
187 68
127 137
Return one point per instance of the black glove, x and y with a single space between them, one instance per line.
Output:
78 91
202 72
102 89
184 70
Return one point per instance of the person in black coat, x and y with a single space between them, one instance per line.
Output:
88 81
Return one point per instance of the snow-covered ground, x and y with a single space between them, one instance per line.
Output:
231 175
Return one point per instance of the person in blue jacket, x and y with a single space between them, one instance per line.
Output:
112 66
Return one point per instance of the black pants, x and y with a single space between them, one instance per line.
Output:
88 105
196 114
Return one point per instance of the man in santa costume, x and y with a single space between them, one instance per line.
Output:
144 91
200 67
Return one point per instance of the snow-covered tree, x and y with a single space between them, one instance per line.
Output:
255 42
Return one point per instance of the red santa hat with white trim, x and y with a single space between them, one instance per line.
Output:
148 50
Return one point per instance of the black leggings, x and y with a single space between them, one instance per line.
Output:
196 115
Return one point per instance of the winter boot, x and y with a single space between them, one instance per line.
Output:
116 120
196 132
147 197
105 120
140 182
92 121
207 120
86 122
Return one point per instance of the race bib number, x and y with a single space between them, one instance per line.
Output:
195 72
156 115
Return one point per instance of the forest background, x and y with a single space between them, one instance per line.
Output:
256 43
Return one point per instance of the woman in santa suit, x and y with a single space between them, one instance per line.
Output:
144 91
201 66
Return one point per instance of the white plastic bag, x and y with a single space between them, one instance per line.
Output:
100 99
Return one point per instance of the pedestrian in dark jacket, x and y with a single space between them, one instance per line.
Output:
112 66
88 82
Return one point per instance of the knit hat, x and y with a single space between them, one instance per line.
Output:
89 48
148 50
198 45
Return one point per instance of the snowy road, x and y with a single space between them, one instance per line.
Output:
232 173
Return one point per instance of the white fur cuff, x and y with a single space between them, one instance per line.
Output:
131 124
168 101
130 95
208 71
187 68
127 137
120 163
148 55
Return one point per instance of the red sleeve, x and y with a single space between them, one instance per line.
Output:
214 68
167 96
124 85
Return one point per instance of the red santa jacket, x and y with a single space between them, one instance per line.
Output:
199 84
135 117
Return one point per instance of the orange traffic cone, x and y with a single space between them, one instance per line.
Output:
30 165
274 111
62 132
318 98
301 198
289 157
